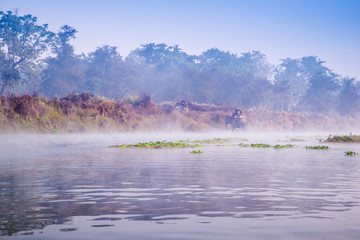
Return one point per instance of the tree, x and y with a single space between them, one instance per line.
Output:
323 88
22 41
291 83
65 72
349 98
107 74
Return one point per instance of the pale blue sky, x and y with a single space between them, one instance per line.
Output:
329 29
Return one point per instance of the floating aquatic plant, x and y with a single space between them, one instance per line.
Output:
283 146
345 138
263 145
317 147
260 145
244 145
351 153
195 152
159 144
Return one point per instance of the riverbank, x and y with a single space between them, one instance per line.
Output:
84 113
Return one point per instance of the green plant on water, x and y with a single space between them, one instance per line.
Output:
158 144
195 152
260 145
345 138
263 145
317 147
244 145
283 146
351 153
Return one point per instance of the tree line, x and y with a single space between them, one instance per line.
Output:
34 59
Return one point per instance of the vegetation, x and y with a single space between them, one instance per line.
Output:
283 146
85 112
34 59
318 147
158 144
344 139
22 41
263 145
195 152
351 153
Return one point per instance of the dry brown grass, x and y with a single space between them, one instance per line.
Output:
84 112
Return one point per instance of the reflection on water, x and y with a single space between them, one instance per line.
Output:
75 189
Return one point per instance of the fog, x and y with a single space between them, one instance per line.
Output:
16 145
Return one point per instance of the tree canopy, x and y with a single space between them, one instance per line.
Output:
23 40
166 72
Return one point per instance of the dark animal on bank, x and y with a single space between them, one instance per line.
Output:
235 123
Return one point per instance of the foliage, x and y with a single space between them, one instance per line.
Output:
158 144
277 146
196 152
167 73
22 41
351 153
353 138
263 145
318 147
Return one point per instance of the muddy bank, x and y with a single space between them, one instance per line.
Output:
84 112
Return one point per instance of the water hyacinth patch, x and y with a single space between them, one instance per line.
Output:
263 145
260 145
196 152
283 146
158 144
351 153
318 147
343 139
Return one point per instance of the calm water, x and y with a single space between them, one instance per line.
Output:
75 187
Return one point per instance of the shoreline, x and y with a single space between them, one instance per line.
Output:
85 113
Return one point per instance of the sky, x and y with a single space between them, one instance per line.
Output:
328 29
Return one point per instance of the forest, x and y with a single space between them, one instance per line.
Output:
40 62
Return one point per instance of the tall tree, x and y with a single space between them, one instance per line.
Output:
324 86
22 41
65 72
107 74
348 99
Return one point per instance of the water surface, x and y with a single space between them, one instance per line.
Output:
73 186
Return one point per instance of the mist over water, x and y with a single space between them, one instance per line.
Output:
72 186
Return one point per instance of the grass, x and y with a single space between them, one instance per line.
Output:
263 145
196 152
158 144
318 147
351 153
344 139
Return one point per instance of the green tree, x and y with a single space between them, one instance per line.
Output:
349 98
324 86
107 74
22 41
65 73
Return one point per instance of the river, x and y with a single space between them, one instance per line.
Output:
73 186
